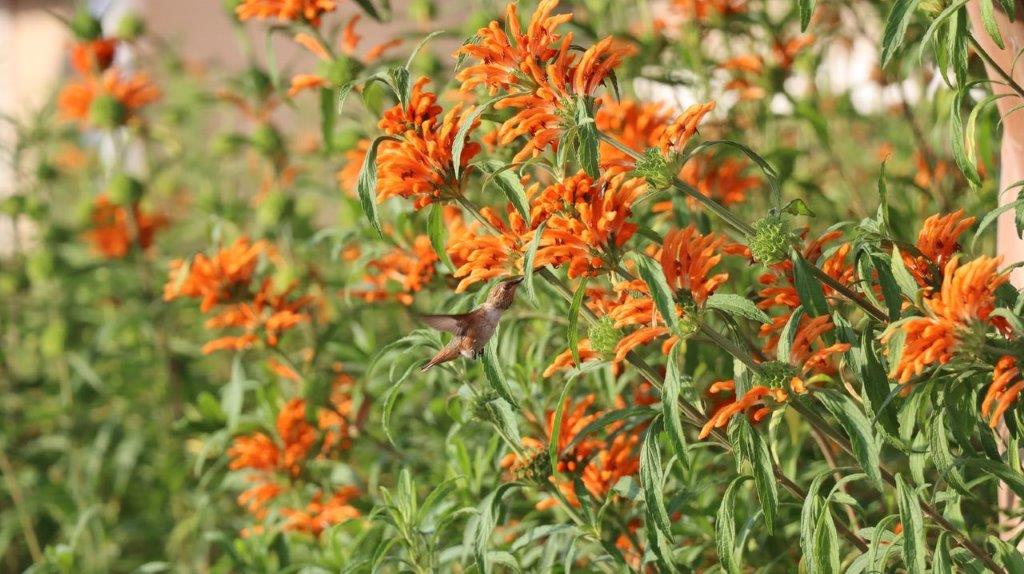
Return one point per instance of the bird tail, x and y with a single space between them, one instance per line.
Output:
446 354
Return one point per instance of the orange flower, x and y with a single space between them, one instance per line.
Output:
411 268
586 220
215 279
286 10
93 56
703 10
319 515
113 232
722 180
543 81
1004 390
961 306
256 498
938 242
348 176
419 164
268 313
127 95
481 257
753 402
637 125
683 127
256 451
687 258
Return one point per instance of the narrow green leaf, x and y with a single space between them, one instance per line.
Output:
528 262
941 561
806 9
896 28
366 186
234 392
556 423
495 377
725 528
858 428
914 549
504 176
587 142
438 235
988 19
737 305
419 47
941 456
327 116
574 320
809 512
651 477
671 413
958 137
487 519
826 543
809 289
788 334
764 477
652 275
903 277
459 143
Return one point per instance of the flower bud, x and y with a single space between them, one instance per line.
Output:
131 27
107 112
534 467
85 26
771 240
604 337
654 168
775 375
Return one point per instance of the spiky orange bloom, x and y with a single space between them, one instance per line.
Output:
687 258
113 232
937 242
1004 390
419 164
585 220
265 317
130 92
599 463
703 10
348 176
753 402
319 515
216 279
565 360
544 80
481 256
93 56
285 10
961 306
724 180
637 125
411 268
683 127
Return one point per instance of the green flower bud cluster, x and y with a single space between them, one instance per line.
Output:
604 337
535 469
775 375
655 168
772 239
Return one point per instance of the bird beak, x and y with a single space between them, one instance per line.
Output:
517 281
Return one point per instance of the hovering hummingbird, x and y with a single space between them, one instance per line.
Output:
472 330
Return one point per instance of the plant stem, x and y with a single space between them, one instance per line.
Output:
995 67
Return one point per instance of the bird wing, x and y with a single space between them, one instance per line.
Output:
455 324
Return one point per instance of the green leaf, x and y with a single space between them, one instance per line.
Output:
737 305
671 412
914 549
486 520
1000 470
806 9
826 544
896 28
528 262
797 207
574 320
941 561
327 116
504 420
904 278
958 136
587 141
366 187
788 334
858 428
508 182
438 235
809 512
370 9
495 377
988 19
651 477
234 392
941 456
809 289
725 528
412 57
459 143
764 477
658 286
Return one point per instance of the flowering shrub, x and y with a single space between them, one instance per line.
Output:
742 339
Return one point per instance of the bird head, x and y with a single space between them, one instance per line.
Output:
504 293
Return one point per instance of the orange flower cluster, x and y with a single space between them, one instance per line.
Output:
482 256
703 10
937 243
108 98
285 10
599 463
725 406
542 76
644 125
93 56
115 229
334 71
419 164
960 309
1004 390
226 279
810 347
585 219
411 268
274 463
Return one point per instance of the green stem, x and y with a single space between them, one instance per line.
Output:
995 67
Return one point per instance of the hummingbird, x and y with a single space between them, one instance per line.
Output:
472 330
